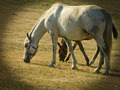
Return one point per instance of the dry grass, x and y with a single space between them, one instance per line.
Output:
16 19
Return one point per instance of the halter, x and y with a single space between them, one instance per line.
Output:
33 48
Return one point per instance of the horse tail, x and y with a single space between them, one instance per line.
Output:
108 31
115 33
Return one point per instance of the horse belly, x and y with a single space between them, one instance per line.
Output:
72 30
76 34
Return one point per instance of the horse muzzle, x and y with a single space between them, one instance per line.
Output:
27 59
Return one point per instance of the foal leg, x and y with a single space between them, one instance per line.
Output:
71 51
54 42
101 61
83 51
97 52
74 46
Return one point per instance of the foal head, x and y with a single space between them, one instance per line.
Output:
29 50
62 50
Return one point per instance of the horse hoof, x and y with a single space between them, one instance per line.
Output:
106 73
66 60
51 65
97 71
91 62
74 68
87 63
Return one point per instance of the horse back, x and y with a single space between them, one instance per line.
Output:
74 21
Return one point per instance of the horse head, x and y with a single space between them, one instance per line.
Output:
62 50
29 50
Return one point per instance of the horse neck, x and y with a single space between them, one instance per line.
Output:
65 46
37 32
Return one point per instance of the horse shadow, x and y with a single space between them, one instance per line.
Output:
38 64
114 73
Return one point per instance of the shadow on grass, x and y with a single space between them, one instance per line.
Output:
39 64
115 75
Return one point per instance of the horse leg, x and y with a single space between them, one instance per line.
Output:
54 42
83 51
106 50
101 61
93 60
74 46
71 51
107 59
68 57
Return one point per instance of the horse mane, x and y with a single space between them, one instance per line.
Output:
37 23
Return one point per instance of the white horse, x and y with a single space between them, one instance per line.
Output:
73 23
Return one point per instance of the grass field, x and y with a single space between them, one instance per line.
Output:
17 17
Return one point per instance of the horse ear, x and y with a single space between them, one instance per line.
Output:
28 36
58 44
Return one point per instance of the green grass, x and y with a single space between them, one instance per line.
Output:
17 17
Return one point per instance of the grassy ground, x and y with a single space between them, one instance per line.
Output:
17 17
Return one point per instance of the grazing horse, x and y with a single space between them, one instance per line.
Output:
74 23
63 52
